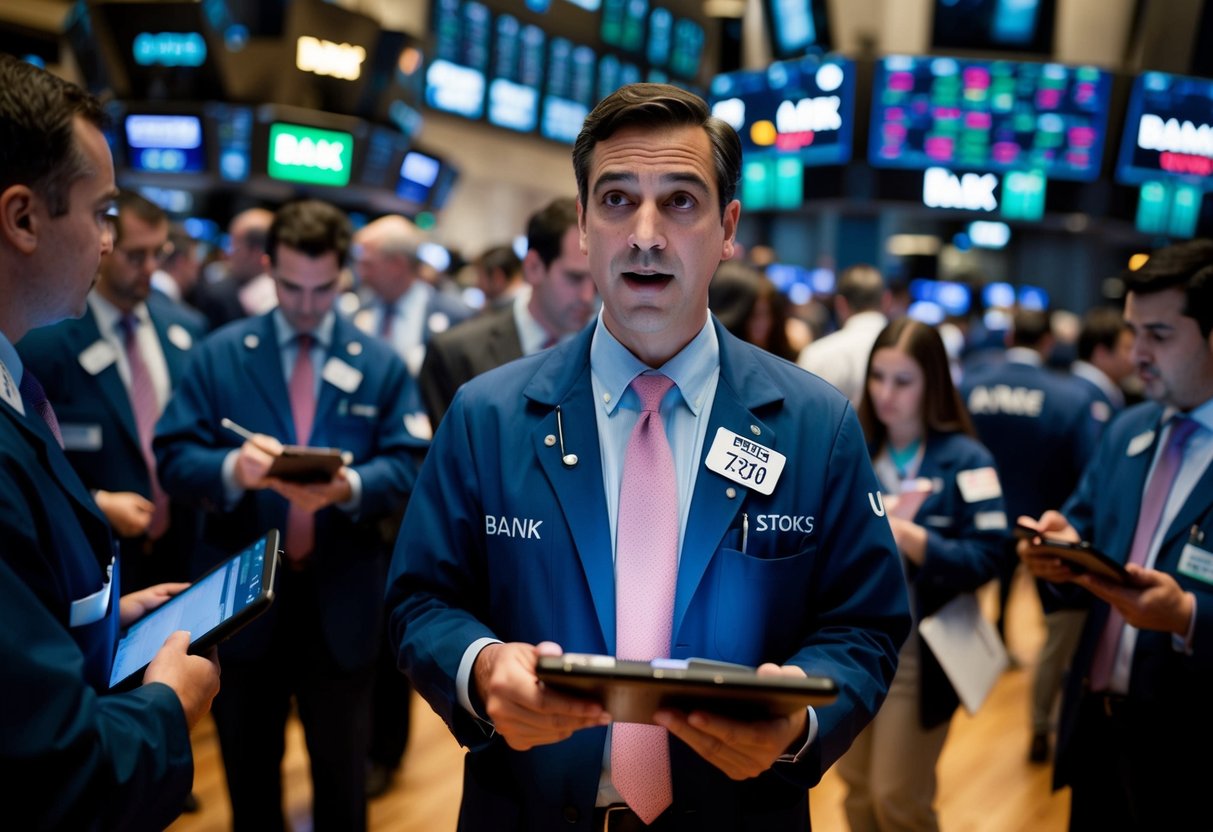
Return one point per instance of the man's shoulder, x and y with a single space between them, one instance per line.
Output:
452 308
470 334
166 312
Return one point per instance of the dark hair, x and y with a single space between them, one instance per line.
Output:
311 226
37 131
942 409
546 228
1101 326
654 107
862 286
1029 327
500 258
1184 266
132 203
732 296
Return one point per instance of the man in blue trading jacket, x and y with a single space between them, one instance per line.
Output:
307 376
1136 706
537 524
72 756
108 376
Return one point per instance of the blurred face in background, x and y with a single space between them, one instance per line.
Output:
895 386
562 294
126 272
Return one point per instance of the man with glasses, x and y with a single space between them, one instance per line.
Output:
108 376
300 374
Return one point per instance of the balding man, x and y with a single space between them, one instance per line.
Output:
841 357
247 289
403 309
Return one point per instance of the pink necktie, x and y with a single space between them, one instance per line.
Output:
1157 491
300 524
646 568
147 411
32 390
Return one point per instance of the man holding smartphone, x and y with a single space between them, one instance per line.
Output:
1137 698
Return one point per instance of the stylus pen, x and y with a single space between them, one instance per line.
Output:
243 433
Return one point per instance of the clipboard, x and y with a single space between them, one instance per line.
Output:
632 691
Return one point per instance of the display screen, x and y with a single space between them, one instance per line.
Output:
234 138
1009 25
517 74
989 116
797 25
688 48
418 174
1168 131
309 155
623 24
569 92
165 144
802 109
614 73
455 79
953 298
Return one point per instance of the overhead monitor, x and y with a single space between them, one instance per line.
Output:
614 73
687 48
307 147
1168 131
165 143
984 115
798 26
624 23
800 109
569 90
952 297
517 76
232 127
994 25
456 79
418 176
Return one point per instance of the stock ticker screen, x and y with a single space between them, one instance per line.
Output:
989 115
1168 131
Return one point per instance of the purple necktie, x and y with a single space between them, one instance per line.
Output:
36 396
388 323
1157 491
646 569
147 411
300 524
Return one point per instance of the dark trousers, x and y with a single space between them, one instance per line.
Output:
333 705
389 710
1136 767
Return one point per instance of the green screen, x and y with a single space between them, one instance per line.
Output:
306 154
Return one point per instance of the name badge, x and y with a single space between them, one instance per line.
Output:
78 437
1197 563
1139 443
745 462
180 337
92 608
978 484
97 356
341 375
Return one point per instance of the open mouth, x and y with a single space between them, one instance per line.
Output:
647 279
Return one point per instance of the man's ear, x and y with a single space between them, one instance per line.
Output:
19 223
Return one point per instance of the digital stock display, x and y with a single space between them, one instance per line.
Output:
989 116
165 143
1168 131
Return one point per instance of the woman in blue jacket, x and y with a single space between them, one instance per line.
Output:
944 503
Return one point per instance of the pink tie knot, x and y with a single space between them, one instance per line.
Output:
651 388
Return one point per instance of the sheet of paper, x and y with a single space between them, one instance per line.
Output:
968 648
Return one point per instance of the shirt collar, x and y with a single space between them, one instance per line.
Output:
1025 355
692 369
531 334
285 333
108 315
1202 414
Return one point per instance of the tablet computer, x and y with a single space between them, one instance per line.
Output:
1080 556
212 609
299 463
633 691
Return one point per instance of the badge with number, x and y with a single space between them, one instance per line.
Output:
745 461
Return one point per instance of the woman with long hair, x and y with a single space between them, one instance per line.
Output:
944 505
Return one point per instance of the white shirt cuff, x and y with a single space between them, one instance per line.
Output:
463 677
795 758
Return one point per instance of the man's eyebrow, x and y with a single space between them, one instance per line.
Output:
627 177
1150 326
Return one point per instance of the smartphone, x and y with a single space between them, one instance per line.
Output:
1080 555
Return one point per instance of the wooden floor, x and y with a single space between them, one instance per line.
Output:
985 781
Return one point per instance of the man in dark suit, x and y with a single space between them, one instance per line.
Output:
108 376
1136 706
536 526
560 303
1040 428
72 754
300 374
403 309
245 289
1105 360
